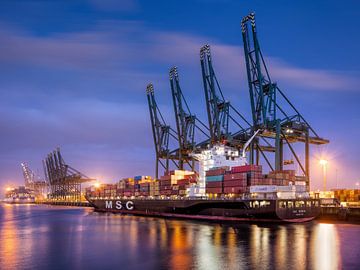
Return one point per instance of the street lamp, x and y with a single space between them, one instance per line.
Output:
323 163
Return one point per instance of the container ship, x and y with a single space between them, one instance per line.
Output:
224 189
19 195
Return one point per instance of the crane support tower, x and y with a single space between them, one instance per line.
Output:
272 111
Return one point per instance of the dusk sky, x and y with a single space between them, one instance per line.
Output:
73 74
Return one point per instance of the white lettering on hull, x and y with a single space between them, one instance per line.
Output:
108 204
118 205
129 205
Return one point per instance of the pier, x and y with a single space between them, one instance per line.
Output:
65 203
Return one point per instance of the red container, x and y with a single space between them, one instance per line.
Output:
235 190
217 184
165 182
165 177
183 182
215 172
214 190
246 168
165 192
235 183
235 176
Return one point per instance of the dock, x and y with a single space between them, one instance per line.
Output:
340 213
65 203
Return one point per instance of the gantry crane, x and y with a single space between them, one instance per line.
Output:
161 135
272 111
65 181
219 111
186 123
33 181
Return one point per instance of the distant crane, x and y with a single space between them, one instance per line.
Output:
33 181
65 181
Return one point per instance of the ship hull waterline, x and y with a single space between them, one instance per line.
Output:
222 211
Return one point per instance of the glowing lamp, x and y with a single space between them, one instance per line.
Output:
323 162
97 185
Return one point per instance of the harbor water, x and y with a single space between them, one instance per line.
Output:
56 237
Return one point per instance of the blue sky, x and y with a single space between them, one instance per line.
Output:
73 74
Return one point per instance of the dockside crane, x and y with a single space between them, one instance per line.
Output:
29 175
161 135
64 180
33 181
186 123
272 111
219 111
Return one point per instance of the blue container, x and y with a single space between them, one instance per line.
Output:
138 177
214 178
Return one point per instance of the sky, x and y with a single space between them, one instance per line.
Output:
73 75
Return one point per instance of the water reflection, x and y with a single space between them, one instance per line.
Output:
325 247
49 238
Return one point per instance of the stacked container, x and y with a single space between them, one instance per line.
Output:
165 185
281 178
235 183
176 182
214 180
185 183
347 195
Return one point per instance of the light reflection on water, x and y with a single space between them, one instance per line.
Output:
42 237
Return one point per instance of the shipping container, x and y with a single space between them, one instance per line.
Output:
246 168
214 178
213 190
215 172
235 183
215 184
233 176
234 190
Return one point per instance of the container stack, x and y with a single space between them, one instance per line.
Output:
154 189
165 185
144 185
185 183
235 183
281 178
105 191
128 185
214 180
347 195
176 182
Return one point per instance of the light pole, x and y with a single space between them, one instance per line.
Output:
323 163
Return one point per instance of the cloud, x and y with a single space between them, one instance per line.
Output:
85 91
119 47
313 79
74 122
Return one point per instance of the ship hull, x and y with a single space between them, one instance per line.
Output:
212 210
